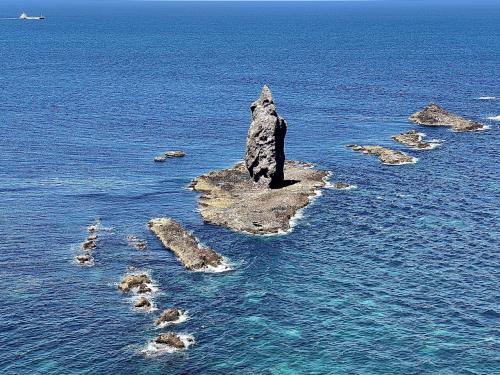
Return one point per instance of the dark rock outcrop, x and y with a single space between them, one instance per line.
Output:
413 139
169 316
230 199
133 281
385 155
434 115
84 259
184 245
89 244
342 186
175 154
265 153
142 302
171 339
143 289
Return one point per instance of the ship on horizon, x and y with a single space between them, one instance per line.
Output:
25 16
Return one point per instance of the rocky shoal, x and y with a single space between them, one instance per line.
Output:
230 199
184 245
385 155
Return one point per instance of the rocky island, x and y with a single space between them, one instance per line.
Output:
261 194
385 155
414 139
434 115
184 245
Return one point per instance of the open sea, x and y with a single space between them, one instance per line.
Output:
398 276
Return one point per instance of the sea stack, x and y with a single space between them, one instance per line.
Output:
262 194
265 152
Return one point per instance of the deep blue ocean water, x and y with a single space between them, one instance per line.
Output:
399 276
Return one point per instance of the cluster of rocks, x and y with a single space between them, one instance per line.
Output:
140 285
137 243
184 245
169 154
431 115
259 195
171 339
89 244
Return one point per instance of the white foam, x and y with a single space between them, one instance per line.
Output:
98 227
154 349
90 263
483 128
494 118
134 292
329 185
182 318
487 98
225 266
435 143
300 213
413 161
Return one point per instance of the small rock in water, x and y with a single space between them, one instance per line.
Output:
434 115
83 259
169 315
132 281
92 228
136 242
160 159
385 155
89 244
265 154
142 302
175 154
341 186
171 339
413 139
143 289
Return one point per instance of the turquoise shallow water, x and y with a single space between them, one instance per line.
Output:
399 276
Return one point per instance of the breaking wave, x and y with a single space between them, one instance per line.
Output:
154 349
182 318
